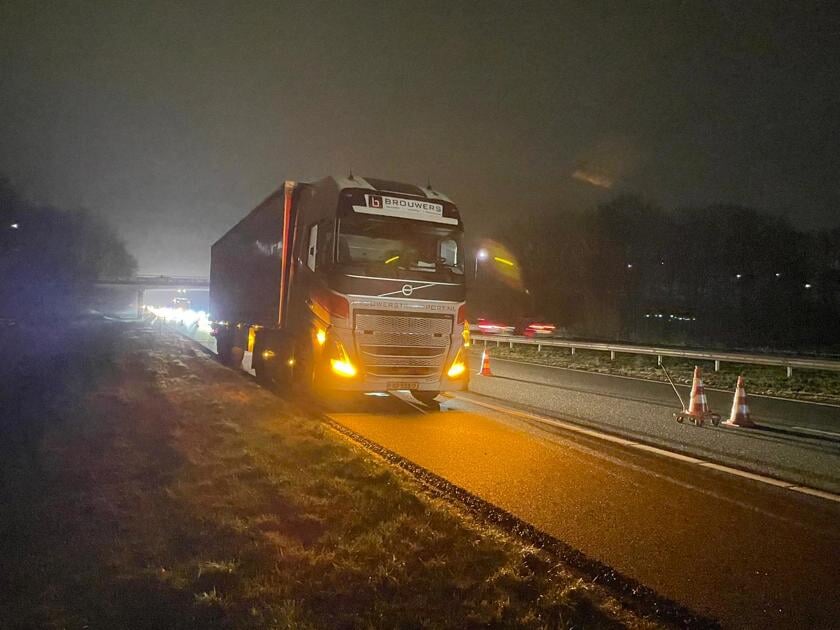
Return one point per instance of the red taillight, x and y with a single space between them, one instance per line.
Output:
542 327
462 313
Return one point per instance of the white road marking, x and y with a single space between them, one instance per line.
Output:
814 492
624 463
656 450
831 433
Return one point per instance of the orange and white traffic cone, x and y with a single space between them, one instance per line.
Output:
698 405
740 416
485 364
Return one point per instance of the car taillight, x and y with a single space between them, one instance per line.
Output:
462 313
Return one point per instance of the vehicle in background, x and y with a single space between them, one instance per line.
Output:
182 303
534 327
485 326
352 284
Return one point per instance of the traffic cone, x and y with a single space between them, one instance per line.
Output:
740 416
698 405
485 364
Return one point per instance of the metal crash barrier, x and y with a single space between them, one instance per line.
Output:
787 362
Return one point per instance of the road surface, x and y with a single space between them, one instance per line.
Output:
750 554
797 441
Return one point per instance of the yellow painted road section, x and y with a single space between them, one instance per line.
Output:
748 554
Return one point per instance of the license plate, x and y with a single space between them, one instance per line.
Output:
400 385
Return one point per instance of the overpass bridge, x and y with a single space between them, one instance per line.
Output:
143 283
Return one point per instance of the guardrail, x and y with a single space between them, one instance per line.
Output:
199 282
718 357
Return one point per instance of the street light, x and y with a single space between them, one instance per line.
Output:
14 226
481 254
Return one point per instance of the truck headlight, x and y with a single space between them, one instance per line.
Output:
458 366
343 368
340 362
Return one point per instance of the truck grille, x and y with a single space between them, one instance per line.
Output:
402 345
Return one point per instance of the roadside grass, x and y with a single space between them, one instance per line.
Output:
174 493
812 385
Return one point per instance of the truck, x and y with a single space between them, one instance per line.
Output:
351 284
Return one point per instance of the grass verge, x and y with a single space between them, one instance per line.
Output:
811 385
169 492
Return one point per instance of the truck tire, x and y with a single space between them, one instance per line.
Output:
264 377
224 344
424 396
303 373
263 368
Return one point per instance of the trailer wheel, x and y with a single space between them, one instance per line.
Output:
424 396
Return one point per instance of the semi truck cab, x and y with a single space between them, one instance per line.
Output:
361 284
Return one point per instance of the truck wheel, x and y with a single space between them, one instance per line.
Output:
263 375
424 396
223 347
303 373
265 368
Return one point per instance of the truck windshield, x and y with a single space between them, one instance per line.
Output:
399 248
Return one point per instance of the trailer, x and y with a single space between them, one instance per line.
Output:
345 284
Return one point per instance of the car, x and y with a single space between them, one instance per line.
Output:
485 326
539 330
534 327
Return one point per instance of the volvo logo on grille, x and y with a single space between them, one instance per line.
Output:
407 290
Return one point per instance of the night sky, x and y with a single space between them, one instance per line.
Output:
175 118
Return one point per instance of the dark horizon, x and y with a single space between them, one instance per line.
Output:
175 120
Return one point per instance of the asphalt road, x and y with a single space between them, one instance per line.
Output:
816 418
750 554
795 441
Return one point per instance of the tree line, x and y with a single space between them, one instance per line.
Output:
719 275
51 257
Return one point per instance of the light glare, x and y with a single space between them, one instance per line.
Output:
343 368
